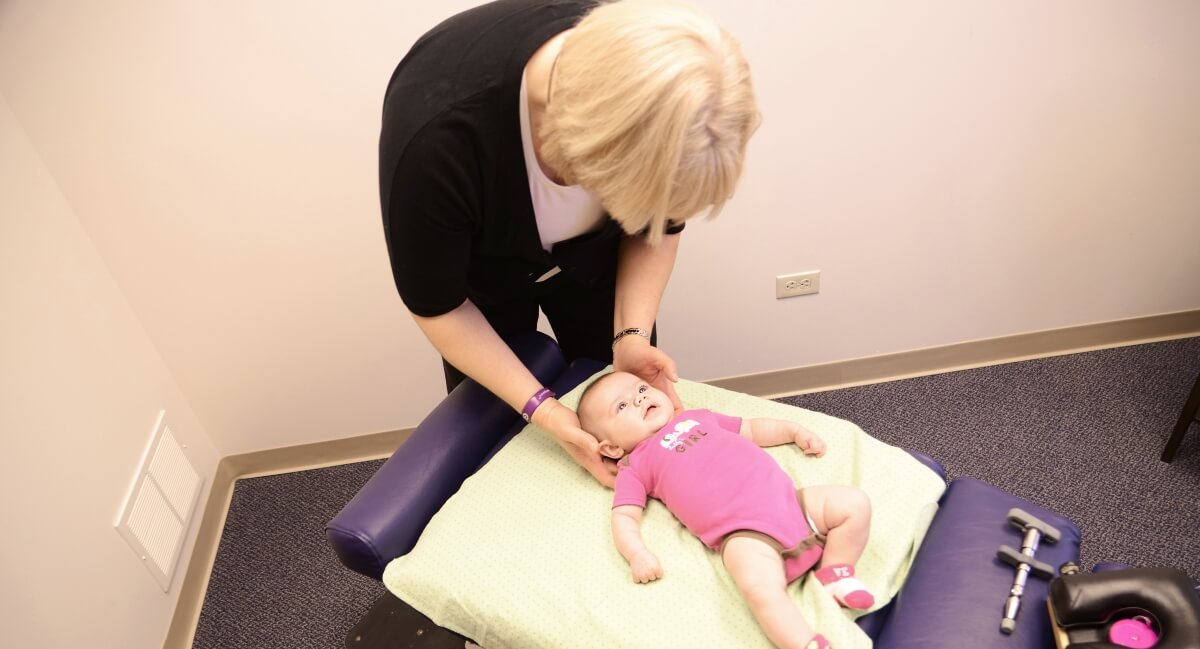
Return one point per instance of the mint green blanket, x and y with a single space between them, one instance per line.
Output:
522 556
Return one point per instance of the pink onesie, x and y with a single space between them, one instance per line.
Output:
715 482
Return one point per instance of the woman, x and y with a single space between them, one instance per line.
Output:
545 154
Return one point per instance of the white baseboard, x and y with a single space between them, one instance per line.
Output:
230 469
965 355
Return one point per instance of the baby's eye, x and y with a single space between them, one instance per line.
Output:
641 389
621 406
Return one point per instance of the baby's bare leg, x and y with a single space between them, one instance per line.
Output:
757 569
843 515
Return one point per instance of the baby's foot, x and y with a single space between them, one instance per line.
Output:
818 642
839 581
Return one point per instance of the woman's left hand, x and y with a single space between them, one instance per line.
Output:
637 356
563 425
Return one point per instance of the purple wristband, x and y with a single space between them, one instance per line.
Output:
535 401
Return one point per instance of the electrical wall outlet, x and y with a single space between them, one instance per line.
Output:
805 283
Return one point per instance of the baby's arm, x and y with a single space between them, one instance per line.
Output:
773 432
627 532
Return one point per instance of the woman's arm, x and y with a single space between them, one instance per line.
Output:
466 339
642 274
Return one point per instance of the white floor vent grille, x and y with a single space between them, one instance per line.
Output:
156 513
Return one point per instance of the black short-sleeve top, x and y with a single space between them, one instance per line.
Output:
457 214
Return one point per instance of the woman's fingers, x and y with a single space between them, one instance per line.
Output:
668 388
652 365
590 459
582 447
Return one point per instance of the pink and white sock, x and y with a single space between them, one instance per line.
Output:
839 581
818 642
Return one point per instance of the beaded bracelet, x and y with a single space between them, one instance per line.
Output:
632 331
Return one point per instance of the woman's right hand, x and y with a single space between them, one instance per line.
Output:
563 425
636 356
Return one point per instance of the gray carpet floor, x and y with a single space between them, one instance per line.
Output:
1079 434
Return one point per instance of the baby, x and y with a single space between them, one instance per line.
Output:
709 472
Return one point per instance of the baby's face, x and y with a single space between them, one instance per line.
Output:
625 410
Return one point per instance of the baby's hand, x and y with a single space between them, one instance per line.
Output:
645 567
809 442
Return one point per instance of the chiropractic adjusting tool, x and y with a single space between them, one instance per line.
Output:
1035 530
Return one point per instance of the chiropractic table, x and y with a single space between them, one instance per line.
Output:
953 596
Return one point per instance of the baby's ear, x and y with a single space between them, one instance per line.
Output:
610 450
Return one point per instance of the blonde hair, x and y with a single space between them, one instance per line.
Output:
650 109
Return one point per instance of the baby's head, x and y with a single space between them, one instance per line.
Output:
620 410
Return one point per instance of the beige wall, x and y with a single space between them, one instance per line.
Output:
81 386
221 155
957 171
